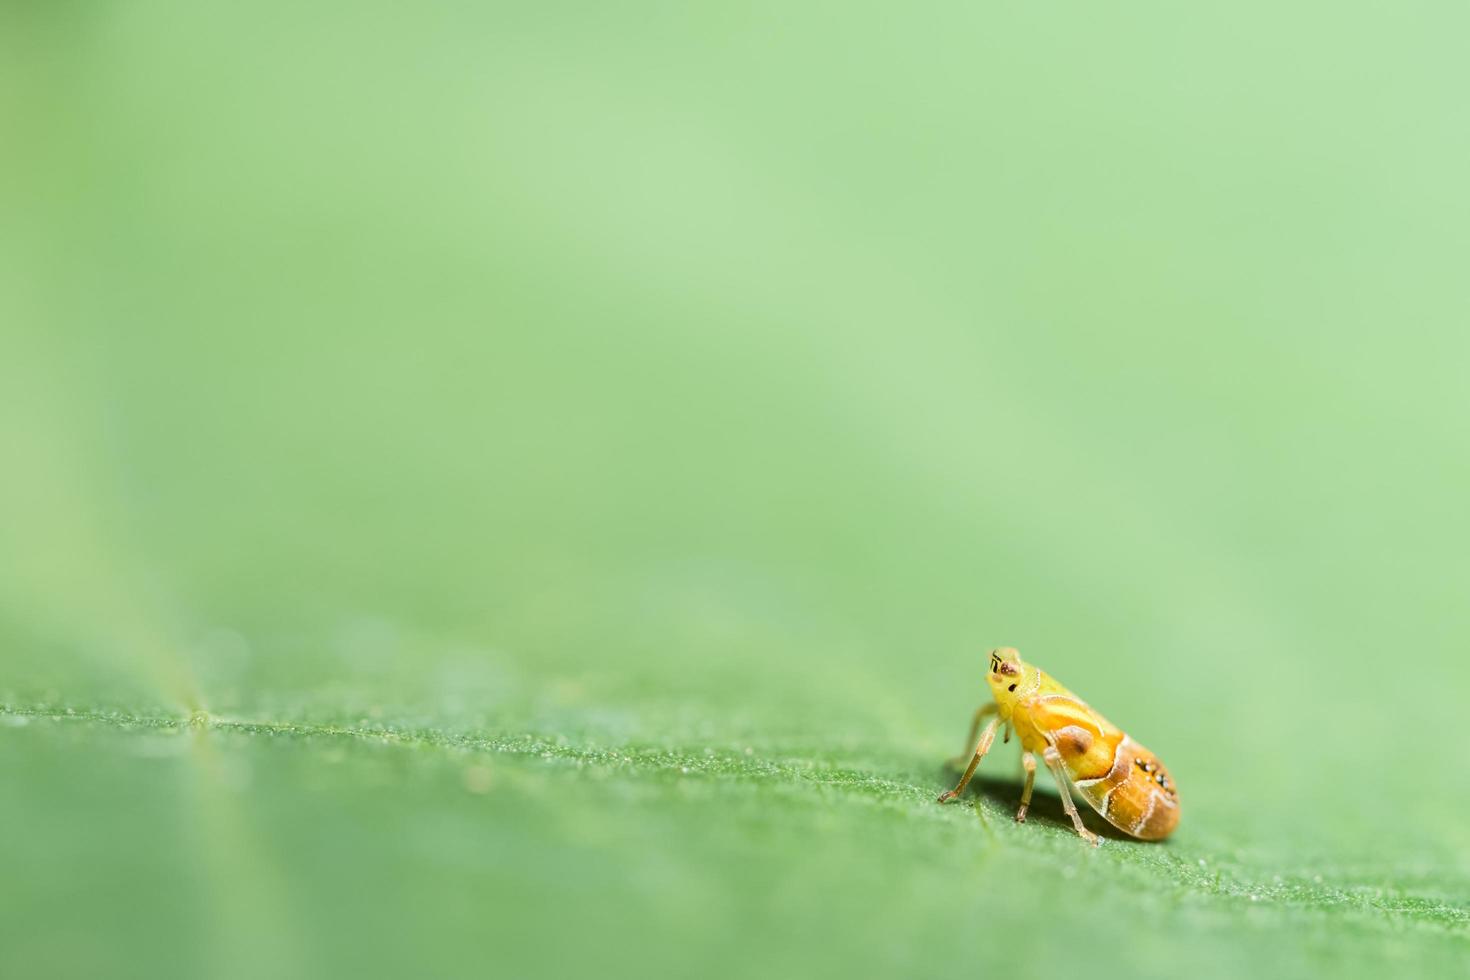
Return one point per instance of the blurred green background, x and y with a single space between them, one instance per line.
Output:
526 490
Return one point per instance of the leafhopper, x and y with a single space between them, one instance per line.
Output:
1120 779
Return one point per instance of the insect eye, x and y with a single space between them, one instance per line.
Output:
1011 688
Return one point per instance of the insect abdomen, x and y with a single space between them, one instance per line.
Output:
1136 795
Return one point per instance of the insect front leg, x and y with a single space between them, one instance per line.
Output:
986 738
981 714
1029 762
1064 786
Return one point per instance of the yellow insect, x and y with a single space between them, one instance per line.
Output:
1121 779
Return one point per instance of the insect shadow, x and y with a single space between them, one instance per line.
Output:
1046 807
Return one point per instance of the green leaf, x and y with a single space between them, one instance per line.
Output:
527 491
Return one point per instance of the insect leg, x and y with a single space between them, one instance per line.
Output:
1029 762
986 738
980 715
1054 763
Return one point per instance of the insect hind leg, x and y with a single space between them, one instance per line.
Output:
1053 760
